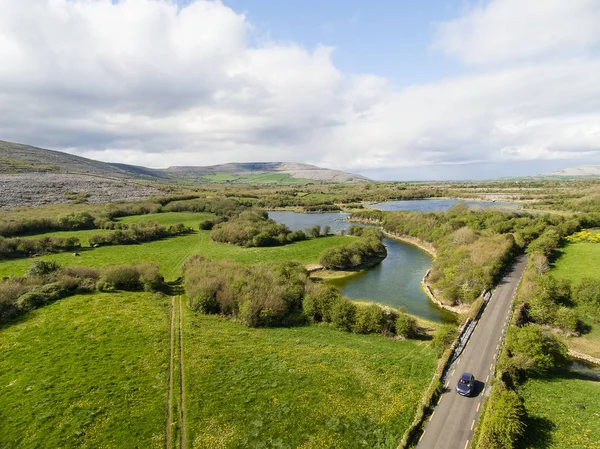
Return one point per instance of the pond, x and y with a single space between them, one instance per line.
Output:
395 282
439 205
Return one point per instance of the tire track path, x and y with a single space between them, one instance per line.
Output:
181 376
171 354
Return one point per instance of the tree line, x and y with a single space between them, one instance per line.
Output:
367 249
47 281
282 294
475 247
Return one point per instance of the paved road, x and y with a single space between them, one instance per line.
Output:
453 420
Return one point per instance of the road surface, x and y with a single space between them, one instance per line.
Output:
453 420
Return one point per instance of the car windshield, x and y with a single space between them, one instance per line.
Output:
464 381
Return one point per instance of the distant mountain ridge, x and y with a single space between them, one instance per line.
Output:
582 171
21 158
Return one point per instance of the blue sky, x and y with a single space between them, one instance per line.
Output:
388 38
395 90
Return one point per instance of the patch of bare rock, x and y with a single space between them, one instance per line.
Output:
35 189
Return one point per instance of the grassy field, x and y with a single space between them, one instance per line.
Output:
190 219
563 413
258 178
304 387
88 371
578 261
171 253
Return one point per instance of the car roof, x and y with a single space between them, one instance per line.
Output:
466 375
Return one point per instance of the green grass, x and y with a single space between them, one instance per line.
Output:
171 253
190 219
303 387
563 413
258 178
88 371
576 262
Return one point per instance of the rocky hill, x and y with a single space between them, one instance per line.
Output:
19 158
583 171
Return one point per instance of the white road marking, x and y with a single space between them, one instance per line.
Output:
478 405
472 424
467 444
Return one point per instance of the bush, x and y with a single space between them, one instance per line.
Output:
150 277
75 220
587 292
444 337
367 248
530 351
120 277
503 423
406 326
42 267
319 301
369 320
343 315
253 229
38 296
258 296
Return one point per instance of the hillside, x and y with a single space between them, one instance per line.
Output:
19 158
582 171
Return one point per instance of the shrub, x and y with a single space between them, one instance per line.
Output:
369 319
531 351
444 337
587 292
42 267
38 296
260 295
253 229
120 277
503 423
150 277
75 220
10 291
367 248
319 301
406 326
343 315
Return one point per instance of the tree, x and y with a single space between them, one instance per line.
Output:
531 351
406 326
444 337
343 315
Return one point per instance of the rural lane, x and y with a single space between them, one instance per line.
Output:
453 420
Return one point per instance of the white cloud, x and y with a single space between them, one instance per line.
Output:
146 83
508 30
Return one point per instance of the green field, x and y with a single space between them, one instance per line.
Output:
305 387
578 261
258 178
88 371
563 413
171 253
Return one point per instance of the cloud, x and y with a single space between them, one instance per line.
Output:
509 30
149 83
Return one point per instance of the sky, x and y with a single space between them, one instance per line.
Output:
394 90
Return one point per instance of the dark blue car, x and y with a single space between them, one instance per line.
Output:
465 384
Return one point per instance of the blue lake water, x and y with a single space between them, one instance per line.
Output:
396 281
438 205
